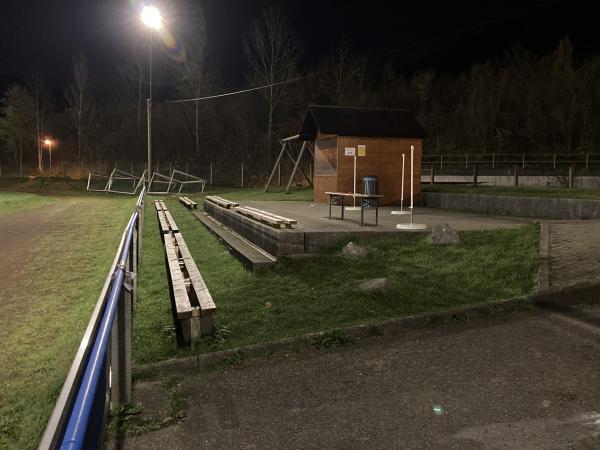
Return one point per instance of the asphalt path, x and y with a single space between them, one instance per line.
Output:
527 380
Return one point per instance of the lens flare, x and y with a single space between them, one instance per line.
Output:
172 45
153 19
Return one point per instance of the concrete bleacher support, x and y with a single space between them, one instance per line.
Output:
278 242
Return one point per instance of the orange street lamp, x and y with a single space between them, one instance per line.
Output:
49 143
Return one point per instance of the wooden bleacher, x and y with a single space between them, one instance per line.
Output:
188 203
221 202
193 305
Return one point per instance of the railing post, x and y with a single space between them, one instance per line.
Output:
432 174
140 230
120 343
467 161
587 161
475 169
516 175
554 162
571 176
242 180
523 160
441 161
493 161
211 175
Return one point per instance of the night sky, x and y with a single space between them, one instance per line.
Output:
445 36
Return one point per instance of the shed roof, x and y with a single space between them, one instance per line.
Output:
362 122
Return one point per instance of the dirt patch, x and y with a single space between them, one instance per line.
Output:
18 235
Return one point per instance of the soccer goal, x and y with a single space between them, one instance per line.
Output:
178 182
118 182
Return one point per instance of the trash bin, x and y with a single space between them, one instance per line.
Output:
370 186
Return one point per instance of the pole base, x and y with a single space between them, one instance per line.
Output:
400 213
411 226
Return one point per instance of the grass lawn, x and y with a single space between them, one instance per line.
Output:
516 191
12 202
307 295
43 185
47 305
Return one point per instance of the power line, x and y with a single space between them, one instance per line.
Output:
243 91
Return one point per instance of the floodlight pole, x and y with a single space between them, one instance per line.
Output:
149 107
50 151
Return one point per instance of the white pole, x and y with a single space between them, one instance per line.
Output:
411 225
354 198
402 187
412 163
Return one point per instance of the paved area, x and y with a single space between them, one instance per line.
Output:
524 381
314 217
573 253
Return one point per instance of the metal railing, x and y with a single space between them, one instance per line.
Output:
100 375
523 160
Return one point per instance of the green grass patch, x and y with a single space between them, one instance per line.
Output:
47 306
514 191
128 420
308 295
44 185
12 202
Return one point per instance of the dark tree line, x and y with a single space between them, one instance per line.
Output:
522 103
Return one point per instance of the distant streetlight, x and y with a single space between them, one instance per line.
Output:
49 143
152 18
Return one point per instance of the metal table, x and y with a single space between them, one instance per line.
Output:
365 203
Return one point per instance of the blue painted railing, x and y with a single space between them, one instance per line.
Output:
101 371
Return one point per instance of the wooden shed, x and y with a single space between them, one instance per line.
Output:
386 135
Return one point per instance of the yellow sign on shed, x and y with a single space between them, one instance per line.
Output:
362 150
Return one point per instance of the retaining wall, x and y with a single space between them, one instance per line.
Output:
276 242
535 207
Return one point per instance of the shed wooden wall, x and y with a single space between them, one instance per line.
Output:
384 160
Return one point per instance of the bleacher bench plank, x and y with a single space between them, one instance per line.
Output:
171 221
289 222
260 217
205 300
182 303
221 202
188 202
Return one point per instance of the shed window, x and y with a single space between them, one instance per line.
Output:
326 157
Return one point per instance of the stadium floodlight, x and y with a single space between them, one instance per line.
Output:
151 17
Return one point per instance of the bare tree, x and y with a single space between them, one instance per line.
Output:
41 108
133 73
80 103
17 106
272 50
347 81
196 81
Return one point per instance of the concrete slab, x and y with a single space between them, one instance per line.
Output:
314 217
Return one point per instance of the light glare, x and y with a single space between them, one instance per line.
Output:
151 17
